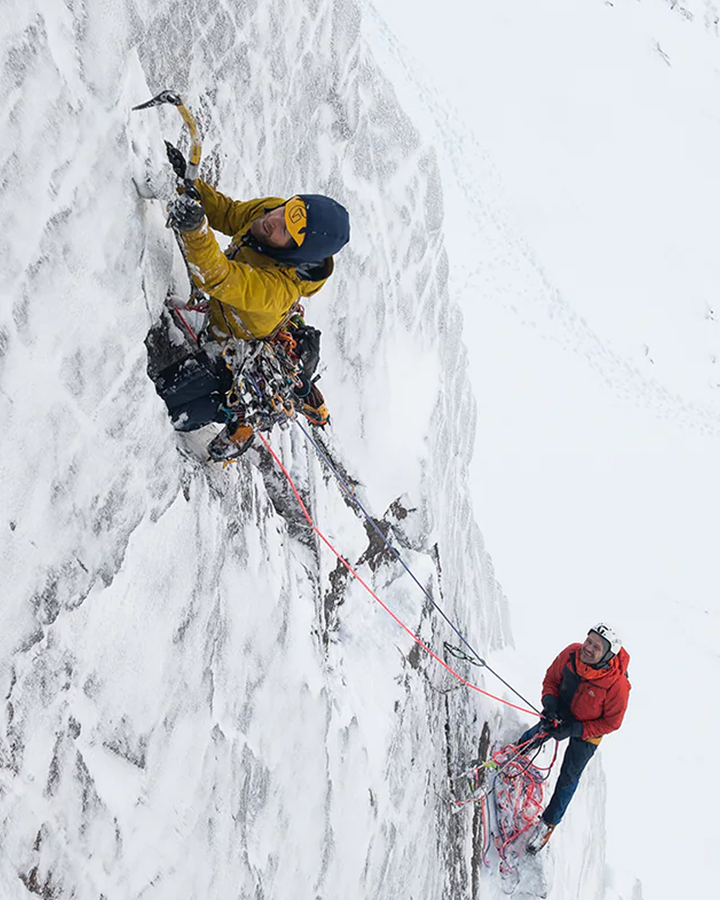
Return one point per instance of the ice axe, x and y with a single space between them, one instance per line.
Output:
174 155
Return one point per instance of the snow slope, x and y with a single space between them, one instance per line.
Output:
578 145
192 705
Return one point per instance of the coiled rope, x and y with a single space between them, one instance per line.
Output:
518 793
516 785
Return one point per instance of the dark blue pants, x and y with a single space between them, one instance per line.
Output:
194 391
577 755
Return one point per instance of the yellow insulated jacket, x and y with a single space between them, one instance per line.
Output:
250 293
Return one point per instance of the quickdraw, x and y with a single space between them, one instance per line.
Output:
459 653
265 375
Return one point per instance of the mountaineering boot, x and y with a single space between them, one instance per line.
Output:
235 438
539 836
313 406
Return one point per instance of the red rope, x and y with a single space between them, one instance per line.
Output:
485 833
372 593
184 321
519 790
516 784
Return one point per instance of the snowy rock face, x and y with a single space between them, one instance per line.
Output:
197 702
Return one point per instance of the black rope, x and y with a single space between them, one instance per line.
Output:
475 655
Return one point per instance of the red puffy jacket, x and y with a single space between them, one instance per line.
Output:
596 697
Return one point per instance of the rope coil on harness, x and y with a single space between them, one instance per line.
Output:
518 794
516 787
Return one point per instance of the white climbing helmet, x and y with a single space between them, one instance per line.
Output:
609 635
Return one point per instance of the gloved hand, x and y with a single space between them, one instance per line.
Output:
176 160
564 730
549 711
185 213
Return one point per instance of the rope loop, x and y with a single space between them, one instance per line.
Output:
516 786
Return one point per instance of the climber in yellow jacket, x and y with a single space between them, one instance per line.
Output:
281 250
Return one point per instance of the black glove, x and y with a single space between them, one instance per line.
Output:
185 214
564 730
176 160
549 711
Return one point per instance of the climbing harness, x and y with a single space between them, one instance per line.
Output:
264 378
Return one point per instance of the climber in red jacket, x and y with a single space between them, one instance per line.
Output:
584 696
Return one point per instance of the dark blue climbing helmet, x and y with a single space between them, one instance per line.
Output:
327 230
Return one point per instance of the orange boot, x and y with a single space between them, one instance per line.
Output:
539 836
235 438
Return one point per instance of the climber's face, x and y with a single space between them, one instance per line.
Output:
593 650
271 229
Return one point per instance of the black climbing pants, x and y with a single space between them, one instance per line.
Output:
194 390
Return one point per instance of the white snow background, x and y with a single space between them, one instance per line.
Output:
578 144
197 703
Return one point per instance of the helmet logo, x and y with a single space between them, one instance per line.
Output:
296 219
